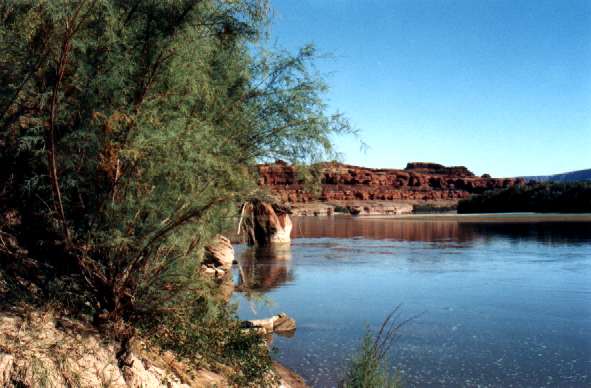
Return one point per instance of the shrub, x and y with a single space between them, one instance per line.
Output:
367 370
369 367
540 197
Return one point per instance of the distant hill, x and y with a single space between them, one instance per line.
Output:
572 176
552 197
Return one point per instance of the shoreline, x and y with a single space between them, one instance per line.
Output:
407 210
484 217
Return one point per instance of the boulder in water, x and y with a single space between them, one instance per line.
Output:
265 223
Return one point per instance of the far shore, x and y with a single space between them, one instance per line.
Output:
484 217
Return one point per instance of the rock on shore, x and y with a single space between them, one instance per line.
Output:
280 323
218 258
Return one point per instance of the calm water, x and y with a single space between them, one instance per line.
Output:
502 304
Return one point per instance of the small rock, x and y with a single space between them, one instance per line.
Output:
280 323
283 323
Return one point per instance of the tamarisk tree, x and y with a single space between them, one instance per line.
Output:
129 131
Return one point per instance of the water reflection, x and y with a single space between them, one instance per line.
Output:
544 232
444 230
264 268
505 304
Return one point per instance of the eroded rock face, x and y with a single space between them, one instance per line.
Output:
341 182
266 224
61 352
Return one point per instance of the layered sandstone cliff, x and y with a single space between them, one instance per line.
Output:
342 182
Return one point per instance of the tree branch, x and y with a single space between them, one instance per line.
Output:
136 264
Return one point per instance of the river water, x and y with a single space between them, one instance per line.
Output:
498 304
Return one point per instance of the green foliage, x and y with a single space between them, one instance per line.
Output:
366 370
428 208
129 132
369 367
310 176
210 335
244 350
342 209
541 197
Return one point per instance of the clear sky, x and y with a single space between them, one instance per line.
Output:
502 87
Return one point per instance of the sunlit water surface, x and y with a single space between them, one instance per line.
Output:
500 304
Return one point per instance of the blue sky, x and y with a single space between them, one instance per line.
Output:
503 87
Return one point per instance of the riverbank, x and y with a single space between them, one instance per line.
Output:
371 207
41 347
424 210
574 197
496 217
43 343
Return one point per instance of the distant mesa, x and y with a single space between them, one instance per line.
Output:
572 176
343 182
434 168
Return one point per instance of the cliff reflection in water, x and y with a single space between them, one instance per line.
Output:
376 228
264 268
438 230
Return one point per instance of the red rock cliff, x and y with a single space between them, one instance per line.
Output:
418 181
